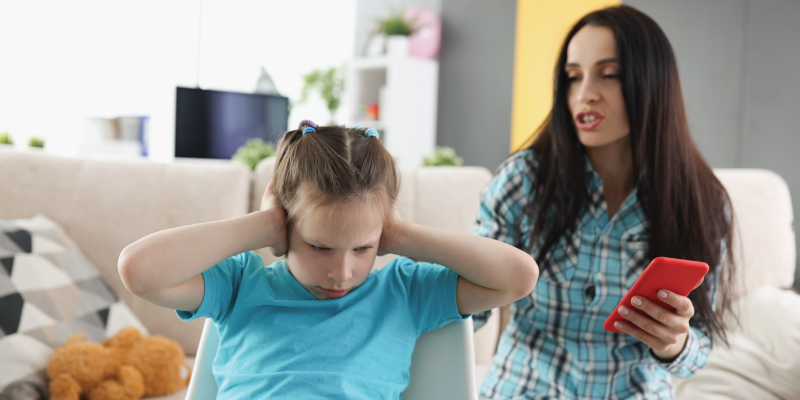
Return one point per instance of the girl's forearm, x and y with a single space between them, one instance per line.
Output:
489 263
168 258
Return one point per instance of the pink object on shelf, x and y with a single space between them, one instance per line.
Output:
427 38
372 110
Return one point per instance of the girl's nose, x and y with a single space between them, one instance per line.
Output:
341 272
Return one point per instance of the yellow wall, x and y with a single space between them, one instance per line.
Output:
541 27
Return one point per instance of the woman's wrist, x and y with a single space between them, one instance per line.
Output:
673 352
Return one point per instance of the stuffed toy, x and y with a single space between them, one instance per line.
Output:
124 367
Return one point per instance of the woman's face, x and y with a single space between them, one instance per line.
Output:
332 247
595 93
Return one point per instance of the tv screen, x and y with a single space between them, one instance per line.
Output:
213 123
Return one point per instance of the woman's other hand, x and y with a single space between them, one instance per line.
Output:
277 222
666 332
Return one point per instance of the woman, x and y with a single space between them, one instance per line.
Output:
612 180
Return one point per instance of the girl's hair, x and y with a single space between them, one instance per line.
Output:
687 208
333 164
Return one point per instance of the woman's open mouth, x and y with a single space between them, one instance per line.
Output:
588 120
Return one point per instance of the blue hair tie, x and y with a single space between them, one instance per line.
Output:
357 126
371 132
308 129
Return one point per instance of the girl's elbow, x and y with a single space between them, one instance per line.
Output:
528 274
128 269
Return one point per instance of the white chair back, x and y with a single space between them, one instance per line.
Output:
442 366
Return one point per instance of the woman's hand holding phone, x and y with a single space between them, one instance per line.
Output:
277 225
657 316
666 332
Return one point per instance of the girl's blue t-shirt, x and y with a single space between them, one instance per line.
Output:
278 341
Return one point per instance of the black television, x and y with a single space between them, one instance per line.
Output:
213 123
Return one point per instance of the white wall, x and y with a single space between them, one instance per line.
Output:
62 62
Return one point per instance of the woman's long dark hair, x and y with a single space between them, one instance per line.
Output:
681 197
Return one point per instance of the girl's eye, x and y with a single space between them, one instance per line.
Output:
610 76
572 78
363 249
317 248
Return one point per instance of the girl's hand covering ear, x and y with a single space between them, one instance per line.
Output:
277 225
391 231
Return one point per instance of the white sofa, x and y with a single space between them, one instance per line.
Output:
105 205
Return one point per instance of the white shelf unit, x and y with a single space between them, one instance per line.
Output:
406 91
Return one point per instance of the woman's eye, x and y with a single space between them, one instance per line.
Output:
610 76
572 78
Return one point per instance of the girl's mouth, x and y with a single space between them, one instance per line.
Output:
588 120
334 294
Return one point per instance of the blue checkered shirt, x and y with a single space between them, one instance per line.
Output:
554 346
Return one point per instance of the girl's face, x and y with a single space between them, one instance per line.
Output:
333 247
595 93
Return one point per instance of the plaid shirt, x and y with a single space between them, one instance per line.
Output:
555 346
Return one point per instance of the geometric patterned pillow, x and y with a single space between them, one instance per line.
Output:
49 291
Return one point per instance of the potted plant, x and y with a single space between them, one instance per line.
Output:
36 143
253 151
443 156
397 30
6 140
330 85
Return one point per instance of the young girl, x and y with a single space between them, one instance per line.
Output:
321 323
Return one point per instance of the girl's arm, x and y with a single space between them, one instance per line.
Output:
491 273
165 267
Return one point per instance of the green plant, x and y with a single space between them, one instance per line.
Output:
5 138
253 151
330 84
394 24
36 142
443 156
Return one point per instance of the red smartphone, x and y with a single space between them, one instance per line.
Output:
675 275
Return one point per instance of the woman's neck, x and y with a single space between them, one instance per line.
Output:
614 164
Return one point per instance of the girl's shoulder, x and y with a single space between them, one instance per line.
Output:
404 270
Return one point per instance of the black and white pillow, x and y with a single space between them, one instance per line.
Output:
49 291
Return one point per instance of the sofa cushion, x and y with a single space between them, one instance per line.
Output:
49 291
763 360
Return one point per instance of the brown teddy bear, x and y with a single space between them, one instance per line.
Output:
124 367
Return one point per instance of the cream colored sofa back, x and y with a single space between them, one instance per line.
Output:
764 237
106 205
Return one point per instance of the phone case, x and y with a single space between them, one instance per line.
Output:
675 275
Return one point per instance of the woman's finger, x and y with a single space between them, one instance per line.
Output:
666 333
683 306
646 338
656 311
